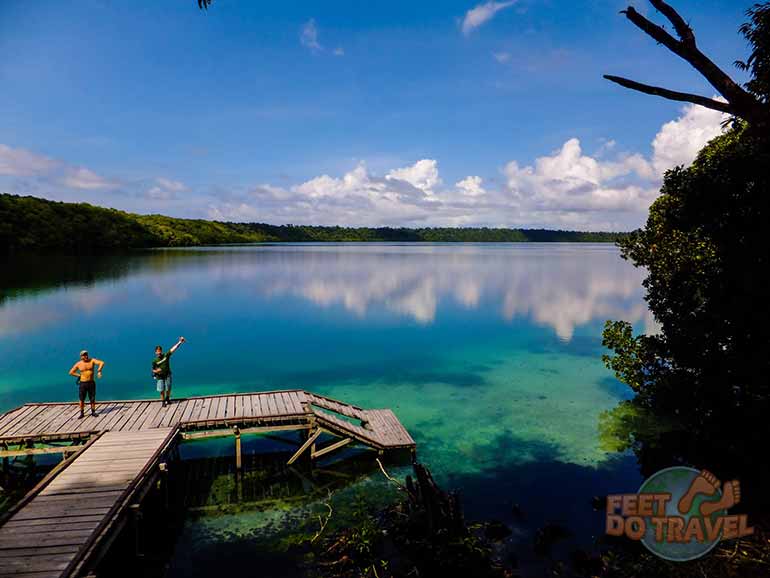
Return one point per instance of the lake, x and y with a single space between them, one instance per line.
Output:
489 354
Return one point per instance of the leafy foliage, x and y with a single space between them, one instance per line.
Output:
33 224
757 32
704 248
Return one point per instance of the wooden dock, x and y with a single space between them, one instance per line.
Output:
67 521
46 534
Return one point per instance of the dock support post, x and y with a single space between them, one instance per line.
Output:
309 442
238 462
137 520
163 466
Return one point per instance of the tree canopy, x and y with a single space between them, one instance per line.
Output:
701 382
33 224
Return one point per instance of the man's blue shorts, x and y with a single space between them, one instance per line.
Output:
163 384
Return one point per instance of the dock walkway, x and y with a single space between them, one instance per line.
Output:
42 422
64 525
46 537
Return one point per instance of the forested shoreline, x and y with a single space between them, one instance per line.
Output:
34 224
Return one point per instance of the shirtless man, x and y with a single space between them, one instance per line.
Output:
84 371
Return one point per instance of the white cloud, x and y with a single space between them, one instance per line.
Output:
22 163
678 141
170 185
85 179
309 36
471 186
423 174
568 188
480 14
165 189
502 57
339 51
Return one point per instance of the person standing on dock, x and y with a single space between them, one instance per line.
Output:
84 371
161 370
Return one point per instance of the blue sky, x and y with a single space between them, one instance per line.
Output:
413 113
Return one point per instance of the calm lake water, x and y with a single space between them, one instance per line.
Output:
489 354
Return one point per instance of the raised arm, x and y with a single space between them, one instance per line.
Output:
176 345
100 363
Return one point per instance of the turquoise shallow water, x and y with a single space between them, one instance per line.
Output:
489 354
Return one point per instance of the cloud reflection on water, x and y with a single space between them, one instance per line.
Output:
554 285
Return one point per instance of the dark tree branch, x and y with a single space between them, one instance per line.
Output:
682 28
741 102
671 94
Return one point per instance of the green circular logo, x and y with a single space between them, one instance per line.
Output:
689 490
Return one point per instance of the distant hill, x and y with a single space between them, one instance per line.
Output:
34 224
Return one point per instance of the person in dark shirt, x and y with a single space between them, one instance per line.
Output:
161 370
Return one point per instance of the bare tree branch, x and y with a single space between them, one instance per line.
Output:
742 103
682 28
671 94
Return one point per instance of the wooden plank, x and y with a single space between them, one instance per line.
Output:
49 498
63 507
288 403
222 411
242 402
134 466
37 564
378 426
331 448
149 415
397 427
308 442
111 418
19 524
70 412
257 410
16 417
205 405
126 417
153 422
39 451
175 411
248 406
20 426
74 538
279 404
137 417
33 552
187 411
84 488
259 403
90 423
52 415
129 452
95 483
214 409
8 417
40 514
272 407
197 408
298 401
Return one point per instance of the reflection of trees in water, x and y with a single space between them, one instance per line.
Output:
558 286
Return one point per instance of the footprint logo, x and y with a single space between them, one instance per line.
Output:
707 484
